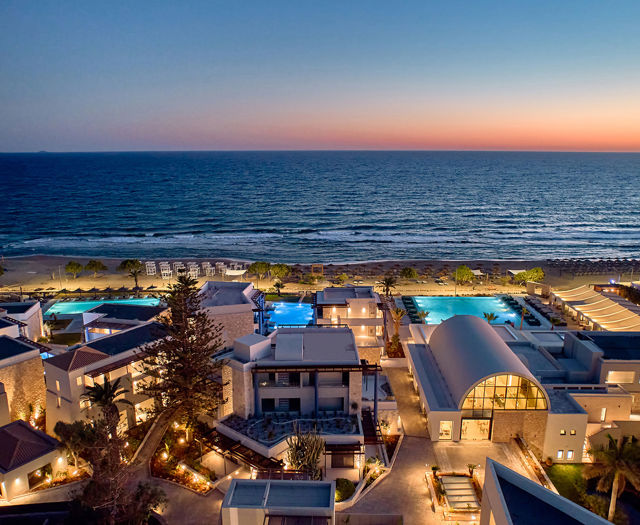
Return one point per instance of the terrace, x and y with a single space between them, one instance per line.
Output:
272 429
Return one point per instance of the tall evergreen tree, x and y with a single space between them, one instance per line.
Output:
181 368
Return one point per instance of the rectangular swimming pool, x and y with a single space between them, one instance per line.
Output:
290 313
442 308
78 307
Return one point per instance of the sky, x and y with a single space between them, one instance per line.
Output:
245 75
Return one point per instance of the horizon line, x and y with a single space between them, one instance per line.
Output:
317 150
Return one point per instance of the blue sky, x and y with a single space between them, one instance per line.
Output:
84 76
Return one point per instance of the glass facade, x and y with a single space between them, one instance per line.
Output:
503 392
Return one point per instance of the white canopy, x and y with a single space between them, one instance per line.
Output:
610 312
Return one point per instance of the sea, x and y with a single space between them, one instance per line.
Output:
328 206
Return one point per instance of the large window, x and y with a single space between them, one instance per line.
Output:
503 392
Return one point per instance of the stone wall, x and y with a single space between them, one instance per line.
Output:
24 385
227 391
529 424
234 325
355 391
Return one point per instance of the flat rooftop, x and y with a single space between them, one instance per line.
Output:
10 347
562 402
315 345
220 293
17 308
128 339
430 378
343 294
278 493
618 345
131 312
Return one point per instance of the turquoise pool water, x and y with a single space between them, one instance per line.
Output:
78 307
291 313
441 308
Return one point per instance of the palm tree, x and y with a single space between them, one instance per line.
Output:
278 286
397 314
423 314
133 267
105 397
387 283
615 464
522 314
490 316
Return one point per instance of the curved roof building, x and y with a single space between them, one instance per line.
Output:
467 377
468 351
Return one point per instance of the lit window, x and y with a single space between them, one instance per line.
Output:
57 385
603 414
616 377
569 454
573 432
79 380
58 402
563 432
560 454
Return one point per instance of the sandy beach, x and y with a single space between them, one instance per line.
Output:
47 273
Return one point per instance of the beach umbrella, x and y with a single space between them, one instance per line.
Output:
94 290
108 289
78 290
50 288
64 290
38 289
123 289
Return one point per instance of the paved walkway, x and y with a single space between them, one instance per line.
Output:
188 508
404 491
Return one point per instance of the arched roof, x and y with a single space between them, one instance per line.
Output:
468 351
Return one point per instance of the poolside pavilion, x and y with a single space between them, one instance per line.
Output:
601 312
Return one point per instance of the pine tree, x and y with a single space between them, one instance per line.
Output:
182 372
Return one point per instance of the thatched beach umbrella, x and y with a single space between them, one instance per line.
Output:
78 290
123 289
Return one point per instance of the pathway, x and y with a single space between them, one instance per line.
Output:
403 491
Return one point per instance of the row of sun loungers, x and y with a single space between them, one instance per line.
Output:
530 319
192 269
546 311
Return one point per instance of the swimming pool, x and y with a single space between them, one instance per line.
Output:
441 308
78 307
290 313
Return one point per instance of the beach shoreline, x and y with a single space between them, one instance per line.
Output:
47 273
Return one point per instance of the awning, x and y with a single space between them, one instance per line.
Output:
609 312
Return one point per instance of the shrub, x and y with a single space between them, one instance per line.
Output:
344 489
409 273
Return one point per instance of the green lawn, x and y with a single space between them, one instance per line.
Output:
568 480
284 298
66 338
